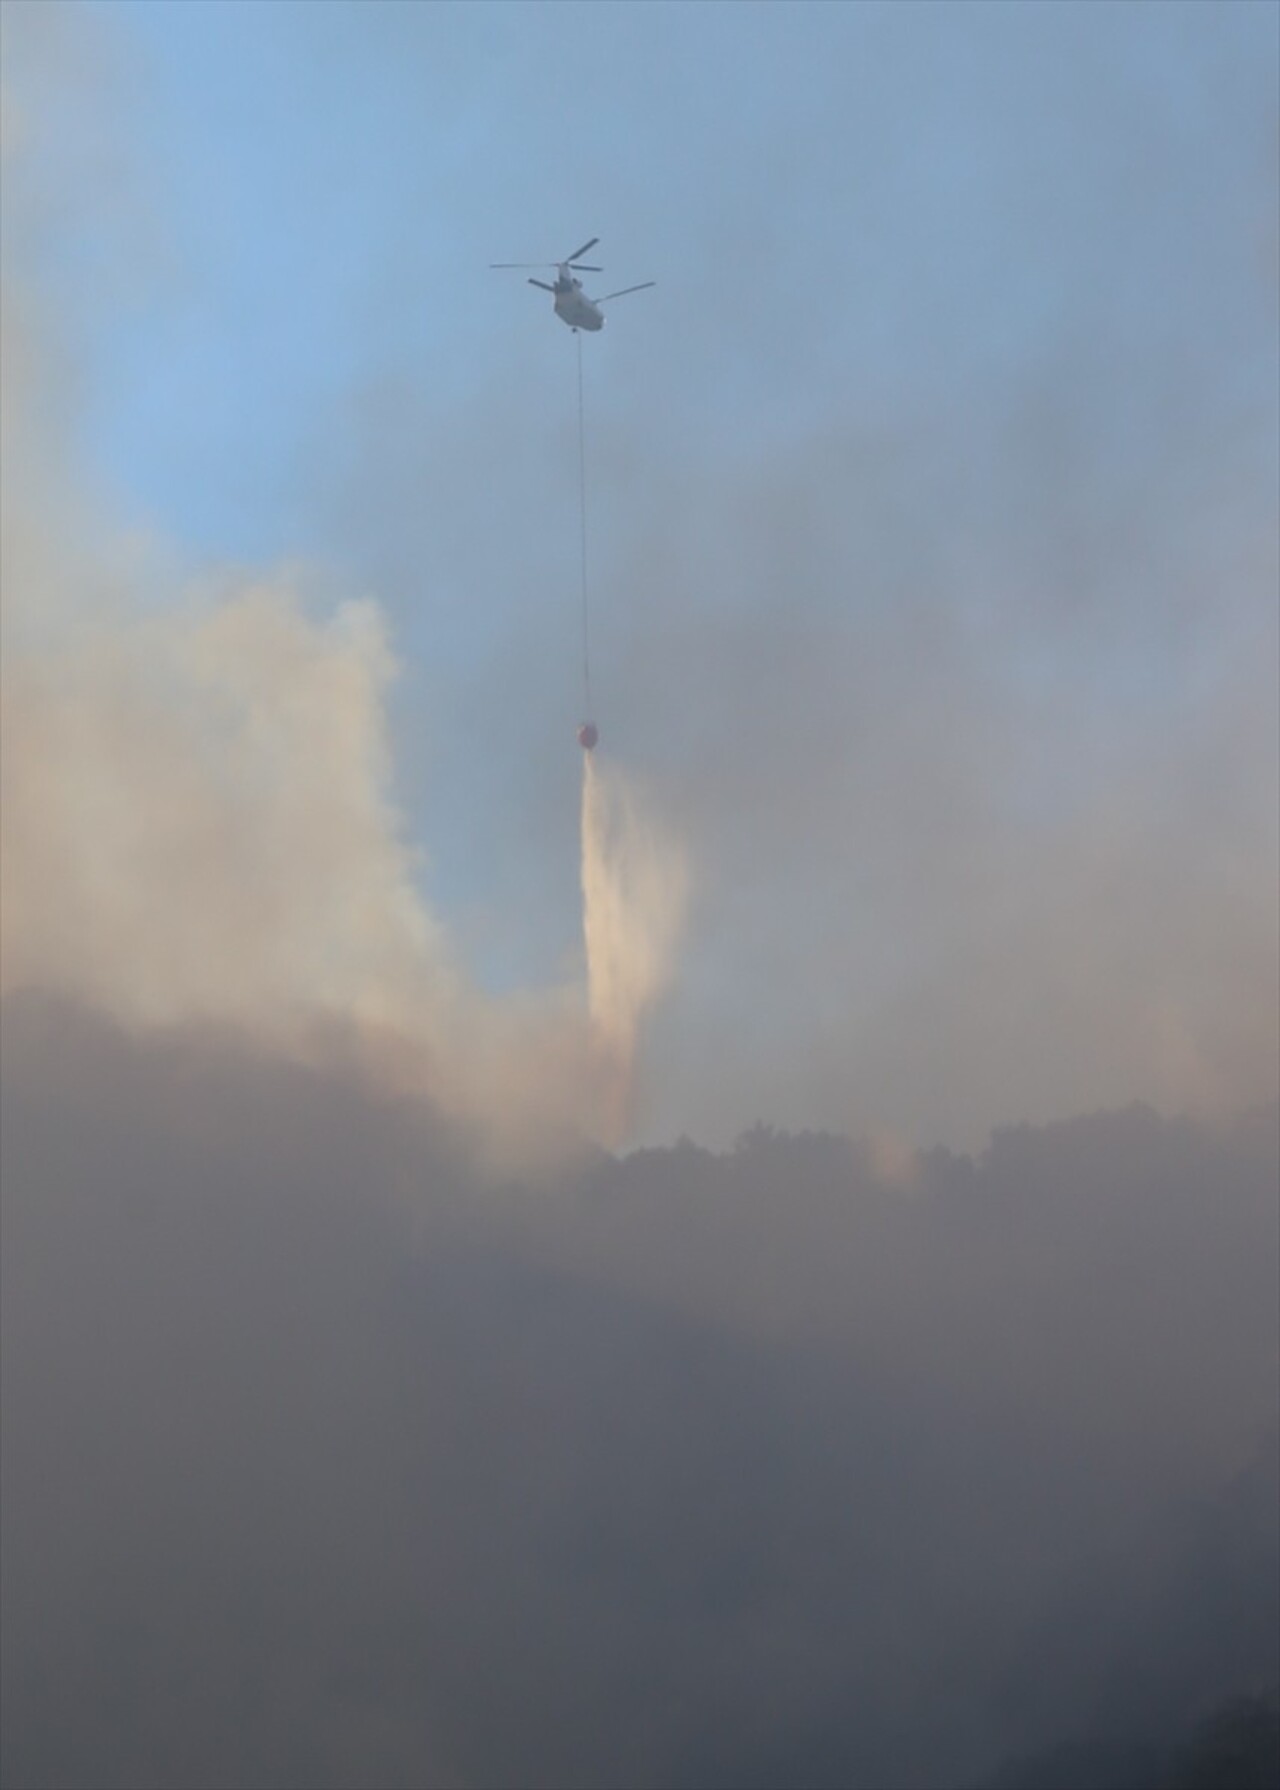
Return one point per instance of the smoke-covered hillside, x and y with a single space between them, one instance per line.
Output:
329 1459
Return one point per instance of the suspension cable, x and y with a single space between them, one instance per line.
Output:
582 529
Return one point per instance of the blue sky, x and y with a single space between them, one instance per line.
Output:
958 388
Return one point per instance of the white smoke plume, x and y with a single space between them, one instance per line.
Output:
634 890
198 826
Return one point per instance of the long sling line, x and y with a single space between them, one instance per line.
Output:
582 528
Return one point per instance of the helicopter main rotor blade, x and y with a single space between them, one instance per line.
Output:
583 249
524 264
583 267
543 285
642 287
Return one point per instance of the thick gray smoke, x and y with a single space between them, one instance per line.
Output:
325 1463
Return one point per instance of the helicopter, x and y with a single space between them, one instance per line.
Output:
572 306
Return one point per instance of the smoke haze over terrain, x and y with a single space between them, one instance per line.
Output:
327 1461
367 1417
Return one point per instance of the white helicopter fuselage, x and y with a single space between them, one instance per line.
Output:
573 307
570 301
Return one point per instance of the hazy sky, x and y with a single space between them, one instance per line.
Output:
932 491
